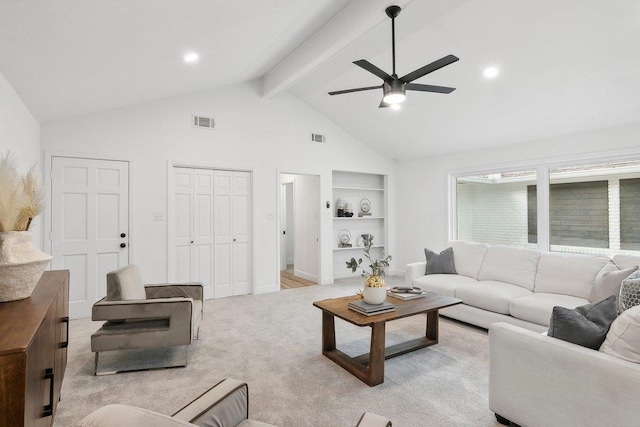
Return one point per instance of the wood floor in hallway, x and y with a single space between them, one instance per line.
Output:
289 281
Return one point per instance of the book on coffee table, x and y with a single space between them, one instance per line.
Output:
370 309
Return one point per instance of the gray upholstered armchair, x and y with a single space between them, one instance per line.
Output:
142 316
224 405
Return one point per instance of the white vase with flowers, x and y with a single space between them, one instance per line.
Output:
21 200
375 291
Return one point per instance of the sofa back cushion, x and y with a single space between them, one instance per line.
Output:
568 274
626 261
468 257
125 284
515 266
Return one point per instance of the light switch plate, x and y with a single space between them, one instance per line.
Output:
158 216
271 215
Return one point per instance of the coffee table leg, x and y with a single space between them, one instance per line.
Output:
432 325
328 332
376 354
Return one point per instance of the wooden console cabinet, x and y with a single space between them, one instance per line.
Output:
34 334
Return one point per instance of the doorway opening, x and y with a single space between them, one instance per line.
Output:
299 230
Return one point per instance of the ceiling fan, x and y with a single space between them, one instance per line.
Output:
394 87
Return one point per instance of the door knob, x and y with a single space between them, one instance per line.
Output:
123 245
123 235
234 240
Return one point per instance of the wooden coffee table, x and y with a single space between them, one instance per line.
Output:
369 367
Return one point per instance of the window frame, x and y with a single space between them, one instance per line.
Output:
543 169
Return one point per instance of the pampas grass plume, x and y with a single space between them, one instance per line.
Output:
21 198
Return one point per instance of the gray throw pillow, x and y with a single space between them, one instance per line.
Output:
587 325
441 263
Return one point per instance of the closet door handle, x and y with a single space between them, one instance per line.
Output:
48 409
65 343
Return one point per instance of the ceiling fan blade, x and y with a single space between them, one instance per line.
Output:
429 88
363 63
359 89
436 65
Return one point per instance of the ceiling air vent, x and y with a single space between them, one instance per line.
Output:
203 122
317 137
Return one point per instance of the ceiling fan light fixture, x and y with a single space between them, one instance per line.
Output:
394 92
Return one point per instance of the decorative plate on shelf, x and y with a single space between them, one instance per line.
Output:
344 237
365 206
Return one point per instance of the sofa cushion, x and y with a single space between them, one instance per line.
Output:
441 263
608 281
568 274
623 338
626 261
468 257
509 265
125 284
444 284
586 325
491 295
537 307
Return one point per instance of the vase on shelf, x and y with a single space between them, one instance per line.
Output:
21 265
375 291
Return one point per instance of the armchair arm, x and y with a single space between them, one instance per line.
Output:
170 290
369 419
574 385
225 404
414 270
129 416
142 309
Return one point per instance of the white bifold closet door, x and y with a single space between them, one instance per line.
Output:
211 230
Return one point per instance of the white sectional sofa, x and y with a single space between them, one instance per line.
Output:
517 286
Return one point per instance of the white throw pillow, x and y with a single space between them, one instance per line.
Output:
623 339
608 281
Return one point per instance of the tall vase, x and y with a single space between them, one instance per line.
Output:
21 265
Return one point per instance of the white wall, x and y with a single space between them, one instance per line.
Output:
306 224
289 224
304 191
20 134
252 133
420 187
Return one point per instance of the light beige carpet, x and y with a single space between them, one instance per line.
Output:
273 341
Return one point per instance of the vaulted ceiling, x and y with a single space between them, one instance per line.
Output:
564 66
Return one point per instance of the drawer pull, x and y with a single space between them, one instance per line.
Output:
65 343
48 409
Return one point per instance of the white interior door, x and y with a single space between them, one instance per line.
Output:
183 225
241 227
193 227
203 230
232 229
89 225
223 233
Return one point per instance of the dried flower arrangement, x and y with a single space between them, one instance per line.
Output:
22 198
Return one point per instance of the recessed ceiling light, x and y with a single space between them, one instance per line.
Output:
190 57
490 72
395 106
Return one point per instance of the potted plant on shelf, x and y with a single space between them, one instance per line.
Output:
21 263
375 291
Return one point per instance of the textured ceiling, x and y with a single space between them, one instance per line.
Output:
564 66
